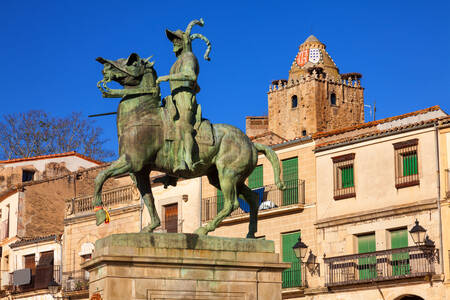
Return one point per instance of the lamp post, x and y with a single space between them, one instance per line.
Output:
418 234
420 238
300 249
53 288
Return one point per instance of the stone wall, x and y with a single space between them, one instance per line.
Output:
314 111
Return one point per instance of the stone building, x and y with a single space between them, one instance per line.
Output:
315 97
32 209
15 171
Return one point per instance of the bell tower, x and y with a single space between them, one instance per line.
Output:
315 97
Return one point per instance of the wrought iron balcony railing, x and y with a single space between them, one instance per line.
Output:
41 276
75 281
113 197
294 276
269 197
409 262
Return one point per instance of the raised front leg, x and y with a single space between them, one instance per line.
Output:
144 187
118 167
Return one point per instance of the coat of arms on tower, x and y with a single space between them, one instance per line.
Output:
302 57
315 55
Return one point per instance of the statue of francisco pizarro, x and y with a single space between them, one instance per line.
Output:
173 138
183 84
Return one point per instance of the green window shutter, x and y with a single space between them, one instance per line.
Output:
220 200
347 176
255 180
291 277
400 261
367 265
410 164
290 178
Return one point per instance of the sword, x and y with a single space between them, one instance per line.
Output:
101 115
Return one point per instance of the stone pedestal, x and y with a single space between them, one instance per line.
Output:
175 266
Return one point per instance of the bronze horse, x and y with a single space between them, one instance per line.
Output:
145 145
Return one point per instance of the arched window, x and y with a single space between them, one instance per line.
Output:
333 99
294 101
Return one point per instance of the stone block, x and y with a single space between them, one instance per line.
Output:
184 266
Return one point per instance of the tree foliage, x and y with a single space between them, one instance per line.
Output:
36 133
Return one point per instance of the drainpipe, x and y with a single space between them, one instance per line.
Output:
439 198
61 257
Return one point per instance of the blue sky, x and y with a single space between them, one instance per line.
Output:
49 48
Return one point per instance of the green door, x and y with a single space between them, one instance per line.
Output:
290 178
291 277
368 265
410 164
255 180
347 177
220 200
400 261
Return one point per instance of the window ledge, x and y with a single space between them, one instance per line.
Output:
344 196
407 184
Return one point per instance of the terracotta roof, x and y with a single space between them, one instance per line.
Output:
72 153
319 135
34 240
267 133
7 193
376 133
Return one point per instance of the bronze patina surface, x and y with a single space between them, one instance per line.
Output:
170 136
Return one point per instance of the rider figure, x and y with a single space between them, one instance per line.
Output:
183 85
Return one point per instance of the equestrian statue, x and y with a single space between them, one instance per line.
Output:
170 136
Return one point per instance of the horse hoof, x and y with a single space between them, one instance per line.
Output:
147 228
201 231
250 236
100 216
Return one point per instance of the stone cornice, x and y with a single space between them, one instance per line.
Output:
377 213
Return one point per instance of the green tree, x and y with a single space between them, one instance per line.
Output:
36 133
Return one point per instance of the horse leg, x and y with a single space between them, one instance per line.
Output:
252 199
118 167
227 180
144 187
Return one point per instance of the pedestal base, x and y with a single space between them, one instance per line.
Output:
161 266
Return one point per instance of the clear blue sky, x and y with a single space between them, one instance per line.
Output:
48 49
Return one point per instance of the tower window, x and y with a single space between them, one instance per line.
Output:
304 132
294 101
27 175
333 99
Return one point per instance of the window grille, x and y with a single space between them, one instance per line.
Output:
344 181
406 164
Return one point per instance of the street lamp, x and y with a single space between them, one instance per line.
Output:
300 249
312 264
53 288
418 234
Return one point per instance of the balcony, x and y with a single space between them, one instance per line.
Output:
75 282
270 199
110 198
447 181
394 264
38 278
294 276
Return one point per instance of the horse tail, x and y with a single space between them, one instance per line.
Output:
274 161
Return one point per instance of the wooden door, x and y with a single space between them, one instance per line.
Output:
171 217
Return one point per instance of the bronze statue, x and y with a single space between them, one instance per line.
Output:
183 84
148 131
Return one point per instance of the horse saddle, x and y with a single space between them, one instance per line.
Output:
203 131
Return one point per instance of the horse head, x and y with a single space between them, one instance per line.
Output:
135 74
